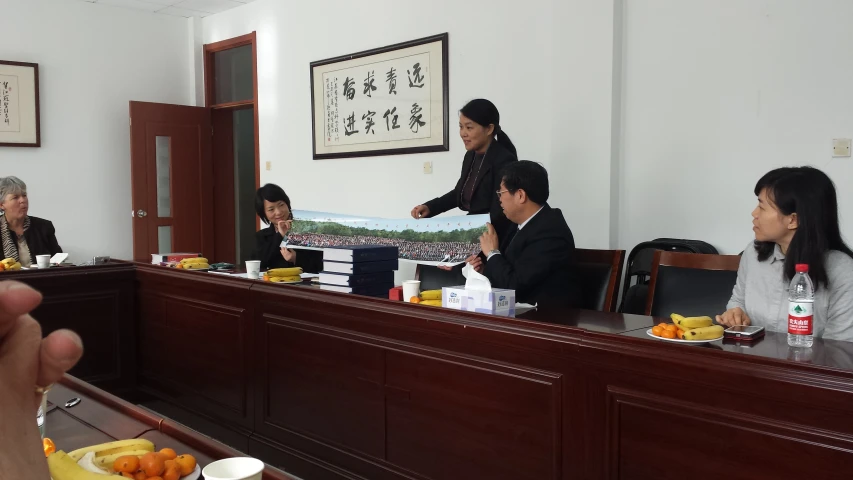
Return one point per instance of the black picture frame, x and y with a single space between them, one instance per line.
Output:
434 145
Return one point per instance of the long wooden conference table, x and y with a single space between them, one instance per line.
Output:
334 386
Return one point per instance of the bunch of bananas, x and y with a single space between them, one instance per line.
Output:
9 264
199 263
697 328
279 275
431 298
98 459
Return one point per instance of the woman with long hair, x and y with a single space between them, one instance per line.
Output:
796 221
488 150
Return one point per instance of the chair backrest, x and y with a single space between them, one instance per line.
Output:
600 273
433 278
691 284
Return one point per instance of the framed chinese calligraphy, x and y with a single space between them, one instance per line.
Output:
387 101
19 104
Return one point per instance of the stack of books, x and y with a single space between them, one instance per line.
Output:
360 269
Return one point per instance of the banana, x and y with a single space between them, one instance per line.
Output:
690 323
186 261
431 295
63 467
106 462
110 448
703 333
295 278
284 272
15 266
195 266
431 303
88 464
8 262
676 318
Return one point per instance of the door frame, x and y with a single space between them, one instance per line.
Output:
209 89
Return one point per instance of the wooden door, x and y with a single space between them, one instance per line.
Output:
171 180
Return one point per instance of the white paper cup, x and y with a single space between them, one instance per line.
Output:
411 288
237 468
43 261
253 268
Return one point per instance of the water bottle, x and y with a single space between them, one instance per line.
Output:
801 308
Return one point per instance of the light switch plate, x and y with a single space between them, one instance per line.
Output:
269 166
427 168
841 147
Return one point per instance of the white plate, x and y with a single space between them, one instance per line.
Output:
194 474
678 340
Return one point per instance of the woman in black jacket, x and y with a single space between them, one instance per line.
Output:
23 237
489 149
273 207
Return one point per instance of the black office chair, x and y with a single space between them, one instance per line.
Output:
433 278
691 284
600 273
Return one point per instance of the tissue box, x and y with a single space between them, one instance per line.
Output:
498 301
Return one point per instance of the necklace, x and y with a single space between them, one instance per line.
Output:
480 167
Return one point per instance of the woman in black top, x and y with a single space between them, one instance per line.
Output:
273 207
489 149
23 237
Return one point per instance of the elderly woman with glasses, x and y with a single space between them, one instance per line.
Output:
23 236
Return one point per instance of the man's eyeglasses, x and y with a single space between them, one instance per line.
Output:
499 192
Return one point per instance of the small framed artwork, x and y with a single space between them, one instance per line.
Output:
19 104
387 101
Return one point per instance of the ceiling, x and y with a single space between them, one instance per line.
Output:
176 8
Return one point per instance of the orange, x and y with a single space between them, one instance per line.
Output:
656 330
187 463
415 300
156 477
126 463
140 475
2 267
679 333
169 454
173 472
49 446
152 464
127 475
672 328
668 334
662 325
180 265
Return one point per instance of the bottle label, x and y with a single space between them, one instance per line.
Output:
800 318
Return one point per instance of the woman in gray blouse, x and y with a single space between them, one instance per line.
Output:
796 221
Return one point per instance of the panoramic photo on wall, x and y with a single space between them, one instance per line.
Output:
428 240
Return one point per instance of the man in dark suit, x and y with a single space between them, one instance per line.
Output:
536 257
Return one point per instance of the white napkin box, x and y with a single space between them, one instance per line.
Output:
497 301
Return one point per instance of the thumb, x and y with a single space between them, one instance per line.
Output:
60 351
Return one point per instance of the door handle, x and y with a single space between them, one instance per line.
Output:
141 213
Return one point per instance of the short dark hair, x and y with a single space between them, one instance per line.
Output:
528 176
810 194
271 193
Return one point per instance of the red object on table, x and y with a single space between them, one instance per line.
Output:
396 293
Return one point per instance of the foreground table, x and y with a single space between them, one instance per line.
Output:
335 386
100 417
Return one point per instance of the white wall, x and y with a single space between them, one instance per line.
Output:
717 93
654 117
92 61
505 51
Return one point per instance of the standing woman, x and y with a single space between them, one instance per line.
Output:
23 236
489 149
